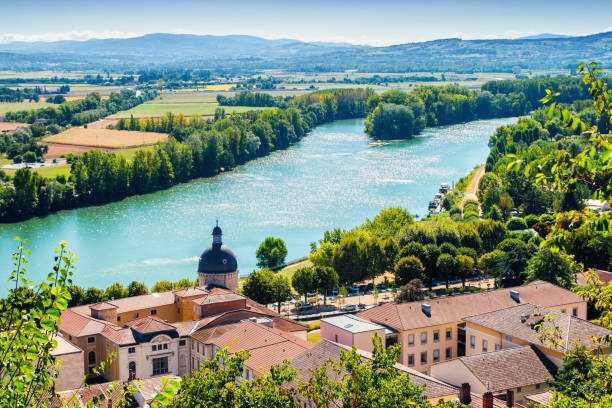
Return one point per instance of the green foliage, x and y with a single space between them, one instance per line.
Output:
326 279
29 319
304 281
408 269
281 290
258 286
137 288
531 220
552 267
271 253
116 291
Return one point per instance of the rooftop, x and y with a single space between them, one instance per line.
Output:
218 298
352 323
604 276
520 322
267 346
64 347
325 350
541 398
509 368
449 309
149 324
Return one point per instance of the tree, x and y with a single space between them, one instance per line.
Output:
258 286
465 267
433 252
492 233
373 257
326 279
137 289
271 253
551 267
281 290
162 286
77 296
347 261
489 261
322 257
410 292
304 281
446 267
94 295
342 292
185 283
115 291
407 269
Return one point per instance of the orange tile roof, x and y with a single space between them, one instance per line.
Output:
604 276
450 309
132 303
102 306
149 324
267 345
477 402
76 324
191 291
217 298
541 398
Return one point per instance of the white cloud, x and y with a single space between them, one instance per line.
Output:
68 35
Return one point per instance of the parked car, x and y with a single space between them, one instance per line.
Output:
349 308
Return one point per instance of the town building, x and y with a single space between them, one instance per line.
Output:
433 330
517 371
351 330
322 352
163 333
524 324
70 370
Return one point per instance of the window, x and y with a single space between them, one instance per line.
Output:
198 347
131 350
537 386
70 338
563 311
507 338
153 312
472 341
497 347
166 346
91 357
132 367
485 346
154 347
436 337
182 342
411 340
160 365
91 340
518 389
449 334
436 356
575 312
424 338
449 353
410 360
118 318
424 357
336 337
135 314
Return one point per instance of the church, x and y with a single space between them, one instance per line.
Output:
218 265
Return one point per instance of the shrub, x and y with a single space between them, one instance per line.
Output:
17 159
547 218
535 240
514 224
542 229
473 289
450 291
531 220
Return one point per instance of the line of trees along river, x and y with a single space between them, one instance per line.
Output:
203 148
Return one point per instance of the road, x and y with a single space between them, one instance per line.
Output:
472 188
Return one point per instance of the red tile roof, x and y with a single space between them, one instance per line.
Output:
541 398
217 298
449 309
76 324
149 324
267 345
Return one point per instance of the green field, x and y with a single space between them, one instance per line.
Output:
48 172
16 106
160 108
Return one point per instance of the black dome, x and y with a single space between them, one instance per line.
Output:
217 259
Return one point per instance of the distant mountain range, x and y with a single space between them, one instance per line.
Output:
243 52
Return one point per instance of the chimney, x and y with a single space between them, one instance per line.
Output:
487 400
514 294
523 318
465 396
510 398
426 309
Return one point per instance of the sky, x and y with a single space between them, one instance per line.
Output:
379 22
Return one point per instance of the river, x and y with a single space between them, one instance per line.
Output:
335 177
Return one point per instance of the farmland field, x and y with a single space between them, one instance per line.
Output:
105 138
9 126
17 106
187 103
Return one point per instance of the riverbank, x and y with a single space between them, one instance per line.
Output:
332 178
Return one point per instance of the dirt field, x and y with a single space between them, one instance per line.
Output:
105 138
56 149
10 126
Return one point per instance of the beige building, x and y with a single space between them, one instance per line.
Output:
433 330
351 330
69 362
518 326
520 370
